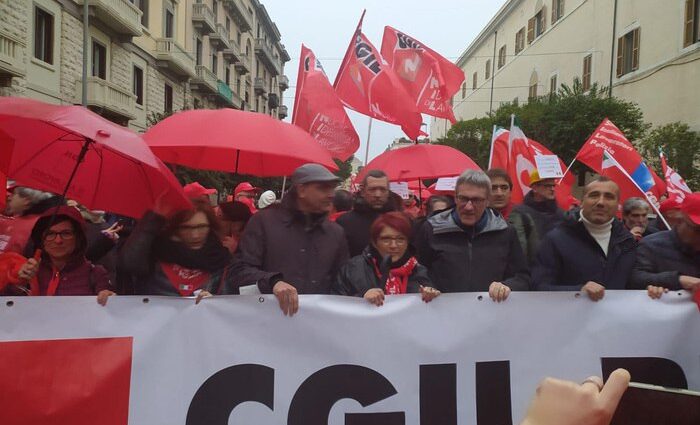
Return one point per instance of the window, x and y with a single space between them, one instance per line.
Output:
520 40
215 64
169 24
502 57
587 63
553 84
215 8
474 80
228 25
228 76
198 52
532 92
238 86
536 26
238 38
143 7
168 99
691 33
464 90
138 85
43 35
628 52
99 60
557 10
488 69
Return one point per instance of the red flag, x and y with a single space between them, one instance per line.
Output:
675 185
608 138
369 86
318 110
6 147
429 78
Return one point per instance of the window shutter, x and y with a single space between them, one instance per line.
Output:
635 49
620 53
560 6
543 19
530 30
555 7
689 23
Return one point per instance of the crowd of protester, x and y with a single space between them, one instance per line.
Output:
318 239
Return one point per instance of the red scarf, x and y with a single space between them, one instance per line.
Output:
398 277
185 281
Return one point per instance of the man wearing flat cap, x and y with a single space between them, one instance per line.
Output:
293 249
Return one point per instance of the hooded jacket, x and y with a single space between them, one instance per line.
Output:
463 259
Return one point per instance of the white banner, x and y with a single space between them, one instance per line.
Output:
461 359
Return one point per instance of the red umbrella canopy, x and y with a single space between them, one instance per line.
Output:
420 161
119 173
235 141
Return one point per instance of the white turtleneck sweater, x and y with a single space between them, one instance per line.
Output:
600 232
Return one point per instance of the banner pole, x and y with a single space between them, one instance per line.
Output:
369 135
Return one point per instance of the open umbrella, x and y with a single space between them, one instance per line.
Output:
420 161
235 141
72 151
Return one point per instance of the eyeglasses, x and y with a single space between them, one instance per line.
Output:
464 200
64 234
388 240
194 229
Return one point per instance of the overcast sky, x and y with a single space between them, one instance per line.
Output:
325 26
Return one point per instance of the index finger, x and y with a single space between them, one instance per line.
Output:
616 386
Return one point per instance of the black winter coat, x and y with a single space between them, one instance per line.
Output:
569 257
356 224
358 276
462 262
661 259
532 220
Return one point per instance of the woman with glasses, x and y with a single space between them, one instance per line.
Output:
62 268
179 256
387 266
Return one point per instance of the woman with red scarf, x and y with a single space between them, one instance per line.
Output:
387 266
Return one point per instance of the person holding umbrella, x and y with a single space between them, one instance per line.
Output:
181 255
62 268
387 266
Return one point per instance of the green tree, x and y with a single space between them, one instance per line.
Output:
681 147
344 168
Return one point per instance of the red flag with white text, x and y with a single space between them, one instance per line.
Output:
429 78
368 85
675 185
318 110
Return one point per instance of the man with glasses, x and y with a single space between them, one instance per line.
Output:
293 249
470 248
537 215
372 202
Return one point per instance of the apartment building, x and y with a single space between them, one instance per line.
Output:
648 51
144 56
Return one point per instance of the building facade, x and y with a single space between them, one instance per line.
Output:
144 56
648 51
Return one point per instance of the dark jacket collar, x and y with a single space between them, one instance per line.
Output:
294 215
445 222
546 206
362 207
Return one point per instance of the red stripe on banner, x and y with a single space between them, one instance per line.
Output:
62 382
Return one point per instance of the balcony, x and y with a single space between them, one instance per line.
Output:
259 86
220 38
203 18
282 112
232 53
264 52
172 56
227 96
205 80
283 82
11 64
243 64
120 15
240 14
108 99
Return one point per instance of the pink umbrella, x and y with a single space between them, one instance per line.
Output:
72 151
235 141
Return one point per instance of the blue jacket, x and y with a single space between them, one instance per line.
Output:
569 257
661 259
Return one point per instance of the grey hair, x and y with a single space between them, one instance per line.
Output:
34 196
632 204
475 178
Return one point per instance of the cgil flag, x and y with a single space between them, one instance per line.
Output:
430 79
675 185
318 110
367 84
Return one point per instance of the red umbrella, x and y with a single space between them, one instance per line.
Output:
73 151
235 141
420 161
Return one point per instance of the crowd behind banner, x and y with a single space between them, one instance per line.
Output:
322 240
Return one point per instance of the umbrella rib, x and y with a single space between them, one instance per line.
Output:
99 175
43 148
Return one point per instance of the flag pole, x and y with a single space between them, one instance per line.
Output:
493 137
369 135
284 185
